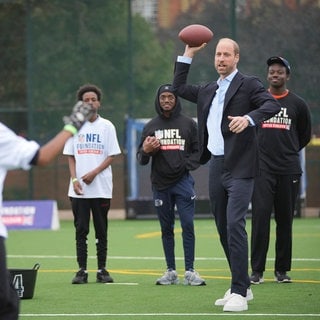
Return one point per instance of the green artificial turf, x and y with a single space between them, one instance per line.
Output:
136 261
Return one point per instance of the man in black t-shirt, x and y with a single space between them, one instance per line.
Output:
281 138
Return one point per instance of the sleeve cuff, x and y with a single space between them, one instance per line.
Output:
184 59
251 122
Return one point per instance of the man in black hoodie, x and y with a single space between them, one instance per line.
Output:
170 139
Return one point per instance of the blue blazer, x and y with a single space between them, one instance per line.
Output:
246 95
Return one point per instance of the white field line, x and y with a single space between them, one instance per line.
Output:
242 315
122 283
136 258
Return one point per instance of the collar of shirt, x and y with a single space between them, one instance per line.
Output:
227 79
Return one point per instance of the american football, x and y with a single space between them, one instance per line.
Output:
195 35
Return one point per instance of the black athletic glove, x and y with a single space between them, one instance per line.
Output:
81 112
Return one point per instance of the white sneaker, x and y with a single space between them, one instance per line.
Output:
169 277
236 303
228 295
193 278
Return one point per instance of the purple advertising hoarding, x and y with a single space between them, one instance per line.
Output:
29 215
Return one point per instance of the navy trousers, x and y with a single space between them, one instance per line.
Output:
230 200
182 197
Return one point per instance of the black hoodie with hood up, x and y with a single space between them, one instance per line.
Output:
179 150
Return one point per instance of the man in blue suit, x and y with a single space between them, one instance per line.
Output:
228 111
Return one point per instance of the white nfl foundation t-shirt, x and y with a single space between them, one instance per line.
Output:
16 153
91 146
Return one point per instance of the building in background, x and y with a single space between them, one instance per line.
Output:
163 13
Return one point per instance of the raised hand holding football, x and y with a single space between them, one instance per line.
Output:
195 35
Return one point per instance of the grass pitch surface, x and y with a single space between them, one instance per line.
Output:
135 261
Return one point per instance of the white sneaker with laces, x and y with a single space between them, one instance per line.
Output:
169 277
236 303
193 278
228 295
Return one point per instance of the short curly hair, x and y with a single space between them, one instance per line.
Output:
89 88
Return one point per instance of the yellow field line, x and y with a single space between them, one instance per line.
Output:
148 272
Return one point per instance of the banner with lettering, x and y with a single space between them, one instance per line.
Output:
28 215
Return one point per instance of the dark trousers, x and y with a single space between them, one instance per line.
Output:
9 300
278 192
230 200
81 209
182 196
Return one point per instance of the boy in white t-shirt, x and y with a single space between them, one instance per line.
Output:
19 153
90 154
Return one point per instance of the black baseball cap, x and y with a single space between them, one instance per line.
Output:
279 60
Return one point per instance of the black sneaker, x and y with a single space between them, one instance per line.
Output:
81 277
256 277
281 277
103 276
